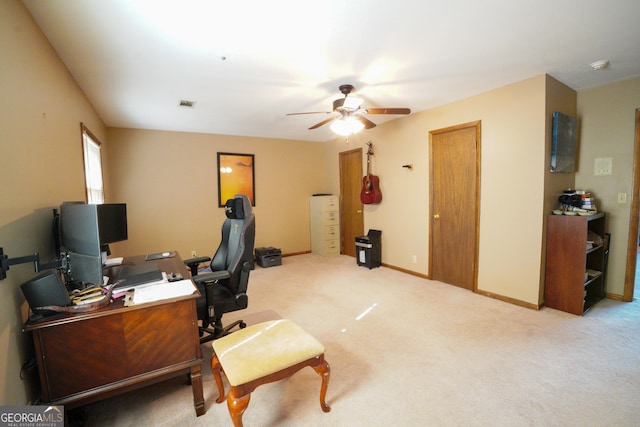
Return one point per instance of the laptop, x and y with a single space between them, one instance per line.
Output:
136 275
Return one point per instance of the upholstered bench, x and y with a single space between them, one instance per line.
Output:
261 354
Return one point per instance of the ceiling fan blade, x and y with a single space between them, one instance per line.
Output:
368 124
310 112
324 122
388 110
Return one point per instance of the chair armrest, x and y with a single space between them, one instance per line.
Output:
204 278
197 260
193 263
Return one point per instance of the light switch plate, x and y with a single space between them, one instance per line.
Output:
602 166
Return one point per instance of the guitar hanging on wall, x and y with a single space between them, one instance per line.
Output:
370 193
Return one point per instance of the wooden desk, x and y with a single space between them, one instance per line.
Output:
86 357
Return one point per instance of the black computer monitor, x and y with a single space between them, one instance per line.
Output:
85 232
112 222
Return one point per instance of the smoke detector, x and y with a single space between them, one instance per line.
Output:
599 65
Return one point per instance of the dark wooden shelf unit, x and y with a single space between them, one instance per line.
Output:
575 274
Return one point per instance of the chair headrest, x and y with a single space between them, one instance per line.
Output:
238 208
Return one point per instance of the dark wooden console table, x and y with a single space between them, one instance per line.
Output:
86 357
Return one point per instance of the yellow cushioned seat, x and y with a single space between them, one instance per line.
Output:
265 348
264 353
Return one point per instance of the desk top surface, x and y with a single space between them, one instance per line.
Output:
168 265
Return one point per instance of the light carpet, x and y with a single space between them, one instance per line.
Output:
406 351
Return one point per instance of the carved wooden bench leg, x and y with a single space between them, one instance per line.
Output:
324 370
237 406
215 370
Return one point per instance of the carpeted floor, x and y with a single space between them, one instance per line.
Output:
406 351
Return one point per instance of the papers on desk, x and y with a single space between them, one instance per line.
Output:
158 292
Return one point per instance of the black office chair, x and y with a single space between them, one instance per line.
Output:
224 288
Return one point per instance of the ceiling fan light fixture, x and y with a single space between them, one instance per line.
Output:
346 126
352 103
348 117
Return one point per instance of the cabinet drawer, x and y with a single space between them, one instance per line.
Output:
330 203
332 246
331 232
331 217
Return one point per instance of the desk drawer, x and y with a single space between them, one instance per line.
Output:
95 352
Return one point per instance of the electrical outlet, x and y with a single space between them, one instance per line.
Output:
193 253
622 198
414 259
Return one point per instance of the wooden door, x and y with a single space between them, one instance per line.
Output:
351 217
455 190
633 239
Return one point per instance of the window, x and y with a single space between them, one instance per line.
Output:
92 167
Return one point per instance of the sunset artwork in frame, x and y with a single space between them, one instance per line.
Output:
236 175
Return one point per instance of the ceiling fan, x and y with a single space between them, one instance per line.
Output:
348 114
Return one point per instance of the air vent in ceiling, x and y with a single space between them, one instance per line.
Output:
187 104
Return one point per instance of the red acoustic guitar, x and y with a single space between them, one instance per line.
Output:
370 193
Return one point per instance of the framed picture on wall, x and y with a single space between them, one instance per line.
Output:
236 175
564 142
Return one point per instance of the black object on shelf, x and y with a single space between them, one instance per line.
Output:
368 249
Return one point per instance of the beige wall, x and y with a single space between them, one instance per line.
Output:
561 98
512 185
169 182
517 191
607 125
40 166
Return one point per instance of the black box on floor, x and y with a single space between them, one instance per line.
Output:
368 249
268 257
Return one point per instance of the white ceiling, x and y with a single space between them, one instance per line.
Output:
246 64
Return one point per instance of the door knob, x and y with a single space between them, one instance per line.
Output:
436 216
359 211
